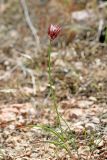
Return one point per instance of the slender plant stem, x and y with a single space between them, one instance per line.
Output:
49 64
53 96
52 90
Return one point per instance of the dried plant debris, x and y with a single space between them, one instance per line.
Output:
79 72
103 36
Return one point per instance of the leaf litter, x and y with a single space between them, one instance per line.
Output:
79 71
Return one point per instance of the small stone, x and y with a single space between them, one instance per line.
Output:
90 126
12 127
54 55
83 149
95 120
78 128
98 61
82 15
79 65
93 99
60 62
84 103
14 34
99 142
6 63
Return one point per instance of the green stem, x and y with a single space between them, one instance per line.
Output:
51 87
53 96
49 64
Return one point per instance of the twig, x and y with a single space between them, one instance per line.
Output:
29 23
33 80
8 73
30 72
100 27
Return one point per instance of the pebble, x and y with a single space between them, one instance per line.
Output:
99 142
90 126
84 103
92 99
95 120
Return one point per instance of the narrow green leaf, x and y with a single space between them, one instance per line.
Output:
48 129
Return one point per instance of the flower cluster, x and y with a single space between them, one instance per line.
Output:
53 31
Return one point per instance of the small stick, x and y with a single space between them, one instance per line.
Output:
100 27
29 23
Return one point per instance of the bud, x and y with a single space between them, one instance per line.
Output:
53 31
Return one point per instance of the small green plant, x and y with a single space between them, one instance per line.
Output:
59 137
92 139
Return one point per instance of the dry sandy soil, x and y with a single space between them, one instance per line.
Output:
79 71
